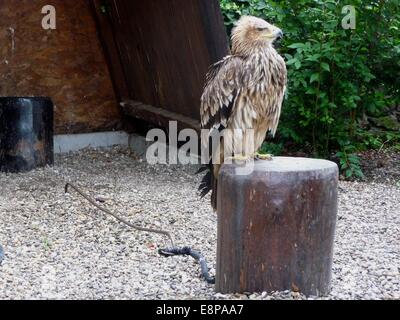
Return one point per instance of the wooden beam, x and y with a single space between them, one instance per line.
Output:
110 48
158 116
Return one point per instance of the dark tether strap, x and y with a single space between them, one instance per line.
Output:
187 251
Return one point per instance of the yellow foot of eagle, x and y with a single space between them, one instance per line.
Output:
260 156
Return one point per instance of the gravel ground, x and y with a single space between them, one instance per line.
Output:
58 246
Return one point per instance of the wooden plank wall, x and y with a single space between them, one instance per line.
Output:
165 49
66 64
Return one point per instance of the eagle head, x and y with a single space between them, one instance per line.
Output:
252 32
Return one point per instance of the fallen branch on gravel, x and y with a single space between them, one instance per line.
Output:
172 251
122 220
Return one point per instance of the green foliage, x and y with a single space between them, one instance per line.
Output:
350 163
336 76
271 148
367 140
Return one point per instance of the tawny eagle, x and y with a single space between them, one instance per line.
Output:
244 91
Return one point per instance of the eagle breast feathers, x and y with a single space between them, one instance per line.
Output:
241 94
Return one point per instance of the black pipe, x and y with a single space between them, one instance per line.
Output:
26 133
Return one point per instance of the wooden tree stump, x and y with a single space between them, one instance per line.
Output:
276 226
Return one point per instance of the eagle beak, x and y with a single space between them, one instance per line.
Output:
279 34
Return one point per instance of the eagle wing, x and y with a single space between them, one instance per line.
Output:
220 93
218 101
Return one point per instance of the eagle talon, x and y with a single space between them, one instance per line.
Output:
260 156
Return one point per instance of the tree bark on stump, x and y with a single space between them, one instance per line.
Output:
276 226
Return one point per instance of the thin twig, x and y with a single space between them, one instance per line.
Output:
383 144
122 220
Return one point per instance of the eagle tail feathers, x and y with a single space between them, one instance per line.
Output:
208 183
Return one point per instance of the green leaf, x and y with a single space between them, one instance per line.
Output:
288 56
296 45
314 57
359 174
311 91
325 66
314 77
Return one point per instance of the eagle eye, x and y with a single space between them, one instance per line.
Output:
262 29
